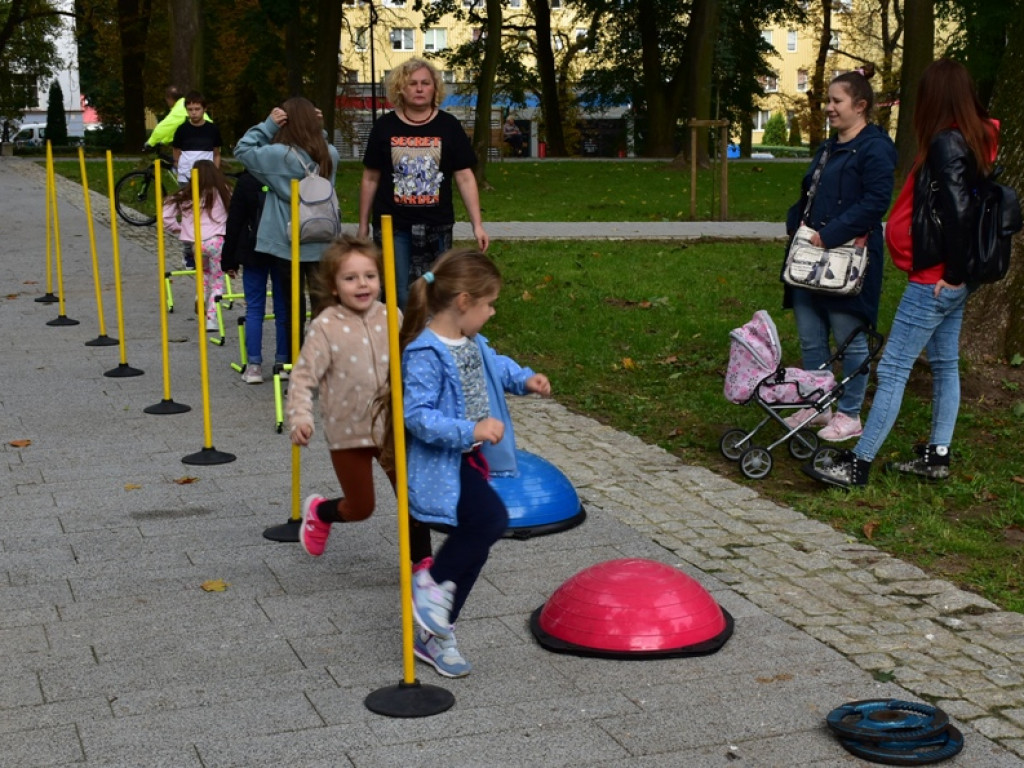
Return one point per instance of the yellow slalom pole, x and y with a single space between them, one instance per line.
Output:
48 297
296 451
167 405
123 369
102 340
410 698
62 318
209 454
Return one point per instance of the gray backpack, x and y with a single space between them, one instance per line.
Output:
319 220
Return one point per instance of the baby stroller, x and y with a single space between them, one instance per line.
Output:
756 375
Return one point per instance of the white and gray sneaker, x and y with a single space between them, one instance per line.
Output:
442 655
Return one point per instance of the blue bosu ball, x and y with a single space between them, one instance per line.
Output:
540 499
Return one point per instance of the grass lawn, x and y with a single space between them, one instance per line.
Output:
663 312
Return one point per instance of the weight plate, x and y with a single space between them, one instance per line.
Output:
888 720
933 749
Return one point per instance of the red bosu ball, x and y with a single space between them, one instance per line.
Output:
631 608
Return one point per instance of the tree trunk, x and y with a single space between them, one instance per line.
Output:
698 61
918 52
551 108
294 60
325 61
485 92
186 44
818 92
133 25
993 325
660 122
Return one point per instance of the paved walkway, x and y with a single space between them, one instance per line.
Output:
114 655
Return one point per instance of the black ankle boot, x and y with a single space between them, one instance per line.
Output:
932 462
846 471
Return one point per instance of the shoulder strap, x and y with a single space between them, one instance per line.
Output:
815 178
309 167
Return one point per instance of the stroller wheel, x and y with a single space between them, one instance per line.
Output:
755 462
824 457
733 443
803 444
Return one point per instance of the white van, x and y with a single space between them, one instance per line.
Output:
34 135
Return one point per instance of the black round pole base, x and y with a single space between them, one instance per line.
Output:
123 371
62 320
102 341
48 298
208 456
286 533
410 700
165 407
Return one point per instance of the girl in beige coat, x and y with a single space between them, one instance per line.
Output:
345 358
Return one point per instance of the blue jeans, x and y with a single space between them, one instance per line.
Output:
254 284
922 322
814 321
415 252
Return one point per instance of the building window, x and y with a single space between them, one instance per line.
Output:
761 119
556 3
362 38
557 42
801 80
769 83
394 3
351 76
766 35
402 39
515 3
435 39
581 37
448 76
791 37
835 41
843 6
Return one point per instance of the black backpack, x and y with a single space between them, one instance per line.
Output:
998 219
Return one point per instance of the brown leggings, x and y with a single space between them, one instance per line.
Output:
354 469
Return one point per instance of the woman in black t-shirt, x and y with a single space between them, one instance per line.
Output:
412 156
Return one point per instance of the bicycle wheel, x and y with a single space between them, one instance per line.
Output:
135 198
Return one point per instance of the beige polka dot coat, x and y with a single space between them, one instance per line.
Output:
345 356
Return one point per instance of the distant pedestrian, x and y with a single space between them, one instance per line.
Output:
512 136
345 358
179 219
196 138
845 193
455 415
412 156
240 253
928 235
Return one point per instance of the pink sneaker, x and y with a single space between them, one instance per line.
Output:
820 419
842 427
313 532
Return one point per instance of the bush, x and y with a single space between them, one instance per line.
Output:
775 130
795 139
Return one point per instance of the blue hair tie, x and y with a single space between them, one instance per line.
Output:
429 277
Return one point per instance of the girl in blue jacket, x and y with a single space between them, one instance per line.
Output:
455 416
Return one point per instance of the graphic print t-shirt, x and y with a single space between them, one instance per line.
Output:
416 164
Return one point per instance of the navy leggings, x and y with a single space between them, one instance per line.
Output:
482 520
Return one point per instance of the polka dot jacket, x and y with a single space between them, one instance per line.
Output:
345 356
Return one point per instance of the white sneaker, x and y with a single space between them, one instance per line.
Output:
253 374
820 419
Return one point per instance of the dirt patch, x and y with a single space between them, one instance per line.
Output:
994 385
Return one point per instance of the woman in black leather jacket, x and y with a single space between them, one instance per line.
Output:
928 237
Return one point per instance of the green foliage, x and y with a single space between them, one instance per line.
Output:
795 139
775 129
27 56
56 120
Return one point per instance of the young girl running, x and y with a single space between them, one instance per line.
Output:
214 198
345 357
454 387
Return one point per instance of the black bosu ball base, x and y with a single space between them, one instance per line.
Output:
410 700
208 456
48 298
286 533
62 320
165 407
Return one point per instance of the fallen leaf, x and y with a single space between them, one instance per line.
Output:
131 487
20 443
12 295
869 529
186 480
31 282
671 359
628 364
214 585
1018 479
527 296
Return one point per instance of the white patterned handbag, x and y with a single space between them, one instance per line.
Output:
837 271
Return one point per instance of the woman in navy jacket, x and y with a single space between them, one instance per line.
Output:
853 192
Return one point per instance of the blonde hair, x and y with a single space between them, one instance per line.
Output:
321 286
400 76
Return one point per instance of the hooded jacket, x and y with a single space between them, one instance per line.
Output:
854 192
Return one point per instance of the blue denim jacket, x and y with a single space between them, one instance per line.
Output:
437 430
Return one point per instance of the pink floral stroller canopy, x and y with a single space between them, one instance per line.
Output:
755 365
